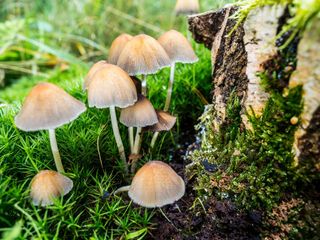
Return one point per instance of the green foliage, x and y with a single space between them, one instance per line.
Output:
254 167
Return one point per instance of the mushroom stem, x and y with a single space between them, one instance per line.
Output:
168 100
131 140
55 150
169 92
137 141
136 149
144 85
122 189
154 139
117 136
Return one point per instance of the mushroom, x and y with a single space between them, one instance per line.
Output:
141 114
112 87
143 55
117 46
155 184
165 122
187 7
46 108
179 50
48 185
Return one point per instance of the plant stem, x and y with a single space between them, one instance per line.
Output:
117 136
144 85
131 140
55 150
169 92
122 189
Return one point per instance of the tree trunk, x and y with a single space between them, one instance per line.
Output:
251 49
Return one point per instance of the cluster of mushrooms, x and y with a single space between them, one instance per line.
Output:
114 84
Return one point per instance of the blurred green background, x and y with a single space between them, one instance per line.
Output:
39 34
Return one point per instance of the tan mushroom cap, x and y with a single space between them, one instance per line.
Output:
187 6
117 46
156 184
48 107
111 86
95 67
177 47
143 55
47 185
140 114
166 122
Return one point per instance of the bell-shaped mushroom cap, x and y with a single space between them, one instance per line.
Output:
177 47
187 6
140 114
117 46
165 122
48 107
111 86
95 67
47 185
156 184
143 55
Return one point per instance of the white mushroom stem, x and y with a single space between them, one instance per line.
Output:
117 136
168 100
137 141
131 140
170 86
154 139
55 150
122 189
144 85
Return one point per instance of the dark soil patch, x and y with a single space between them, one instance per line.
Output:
215 219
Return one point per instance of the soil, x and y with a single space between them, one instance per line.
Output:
216 219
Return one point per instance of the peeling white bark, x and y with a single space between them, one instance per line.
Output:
259 39
308 75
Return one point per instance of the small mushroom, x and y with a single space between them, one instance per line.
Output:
48 185
139 115
46 108
143 55
187 7
155 184
165 122
179 50
117 46
112 87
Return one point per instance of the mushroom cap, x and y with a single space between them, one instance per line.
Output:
143 55
111 86
177 47
165 122
140 114
187 6
47 185
156 184
117 46
48 107
95 67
